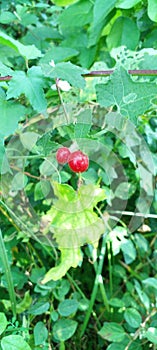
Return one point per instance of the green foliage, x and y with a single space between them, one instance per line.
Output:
78 251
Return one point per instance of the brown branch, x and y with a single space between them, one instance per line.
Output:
6 78
105 73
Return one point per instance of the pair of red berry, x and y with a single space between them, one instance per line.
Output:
77 161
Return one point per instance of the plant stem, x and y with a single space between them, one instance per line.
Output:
61 100
96 284
8 275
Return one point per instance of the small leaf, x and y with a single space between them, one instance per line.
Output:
133 317
14 342
19 182
3 322
151 335
25 303
68 307
39 308
112 331
64 329
40 333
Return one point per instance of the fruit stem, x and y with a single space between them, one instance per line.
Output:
61 100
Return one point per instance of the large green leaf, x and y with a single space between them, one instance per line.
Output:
101 10
75 16
10 112
132 317
151 334
30 84
112 331
3 322
123 32
152 10
127 4
28 52
58 54
131 98
74 224
66 71
14 342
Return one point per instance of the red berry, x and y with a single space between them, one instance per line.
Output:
62 155
78 162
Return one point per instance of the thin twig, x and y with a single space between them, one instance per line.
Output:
104 73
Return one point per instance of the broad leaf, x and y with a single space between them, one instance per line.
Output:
66 71
64 329
10 114
112 332
101 10
74 224
58 54
133 317
3 322
123 32
28 52
40 333
127 4
131 98
152 10
30 84
12 342
151 334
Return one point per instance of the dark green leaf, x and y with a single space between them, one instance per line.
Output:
133 317
40 333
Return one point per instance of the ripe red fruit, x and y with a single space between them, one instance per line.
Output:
78 162
62 155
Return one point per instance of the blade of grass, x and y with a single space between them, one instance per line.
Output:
96 285
8 274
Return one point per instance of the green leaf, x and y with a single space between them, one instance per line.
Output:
152 10
19 182
46 144
123 32
14 342
39 308
75 16
29 139
30 84
4 165
68 307
102 8
7 17
66 71
131 98
150 282
129 251
133 317
151 335
25 303
28 52
127 4
112 331
63 2
40 333
10 112
83 125
64 329
3 322
42 189
69 258
59 54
